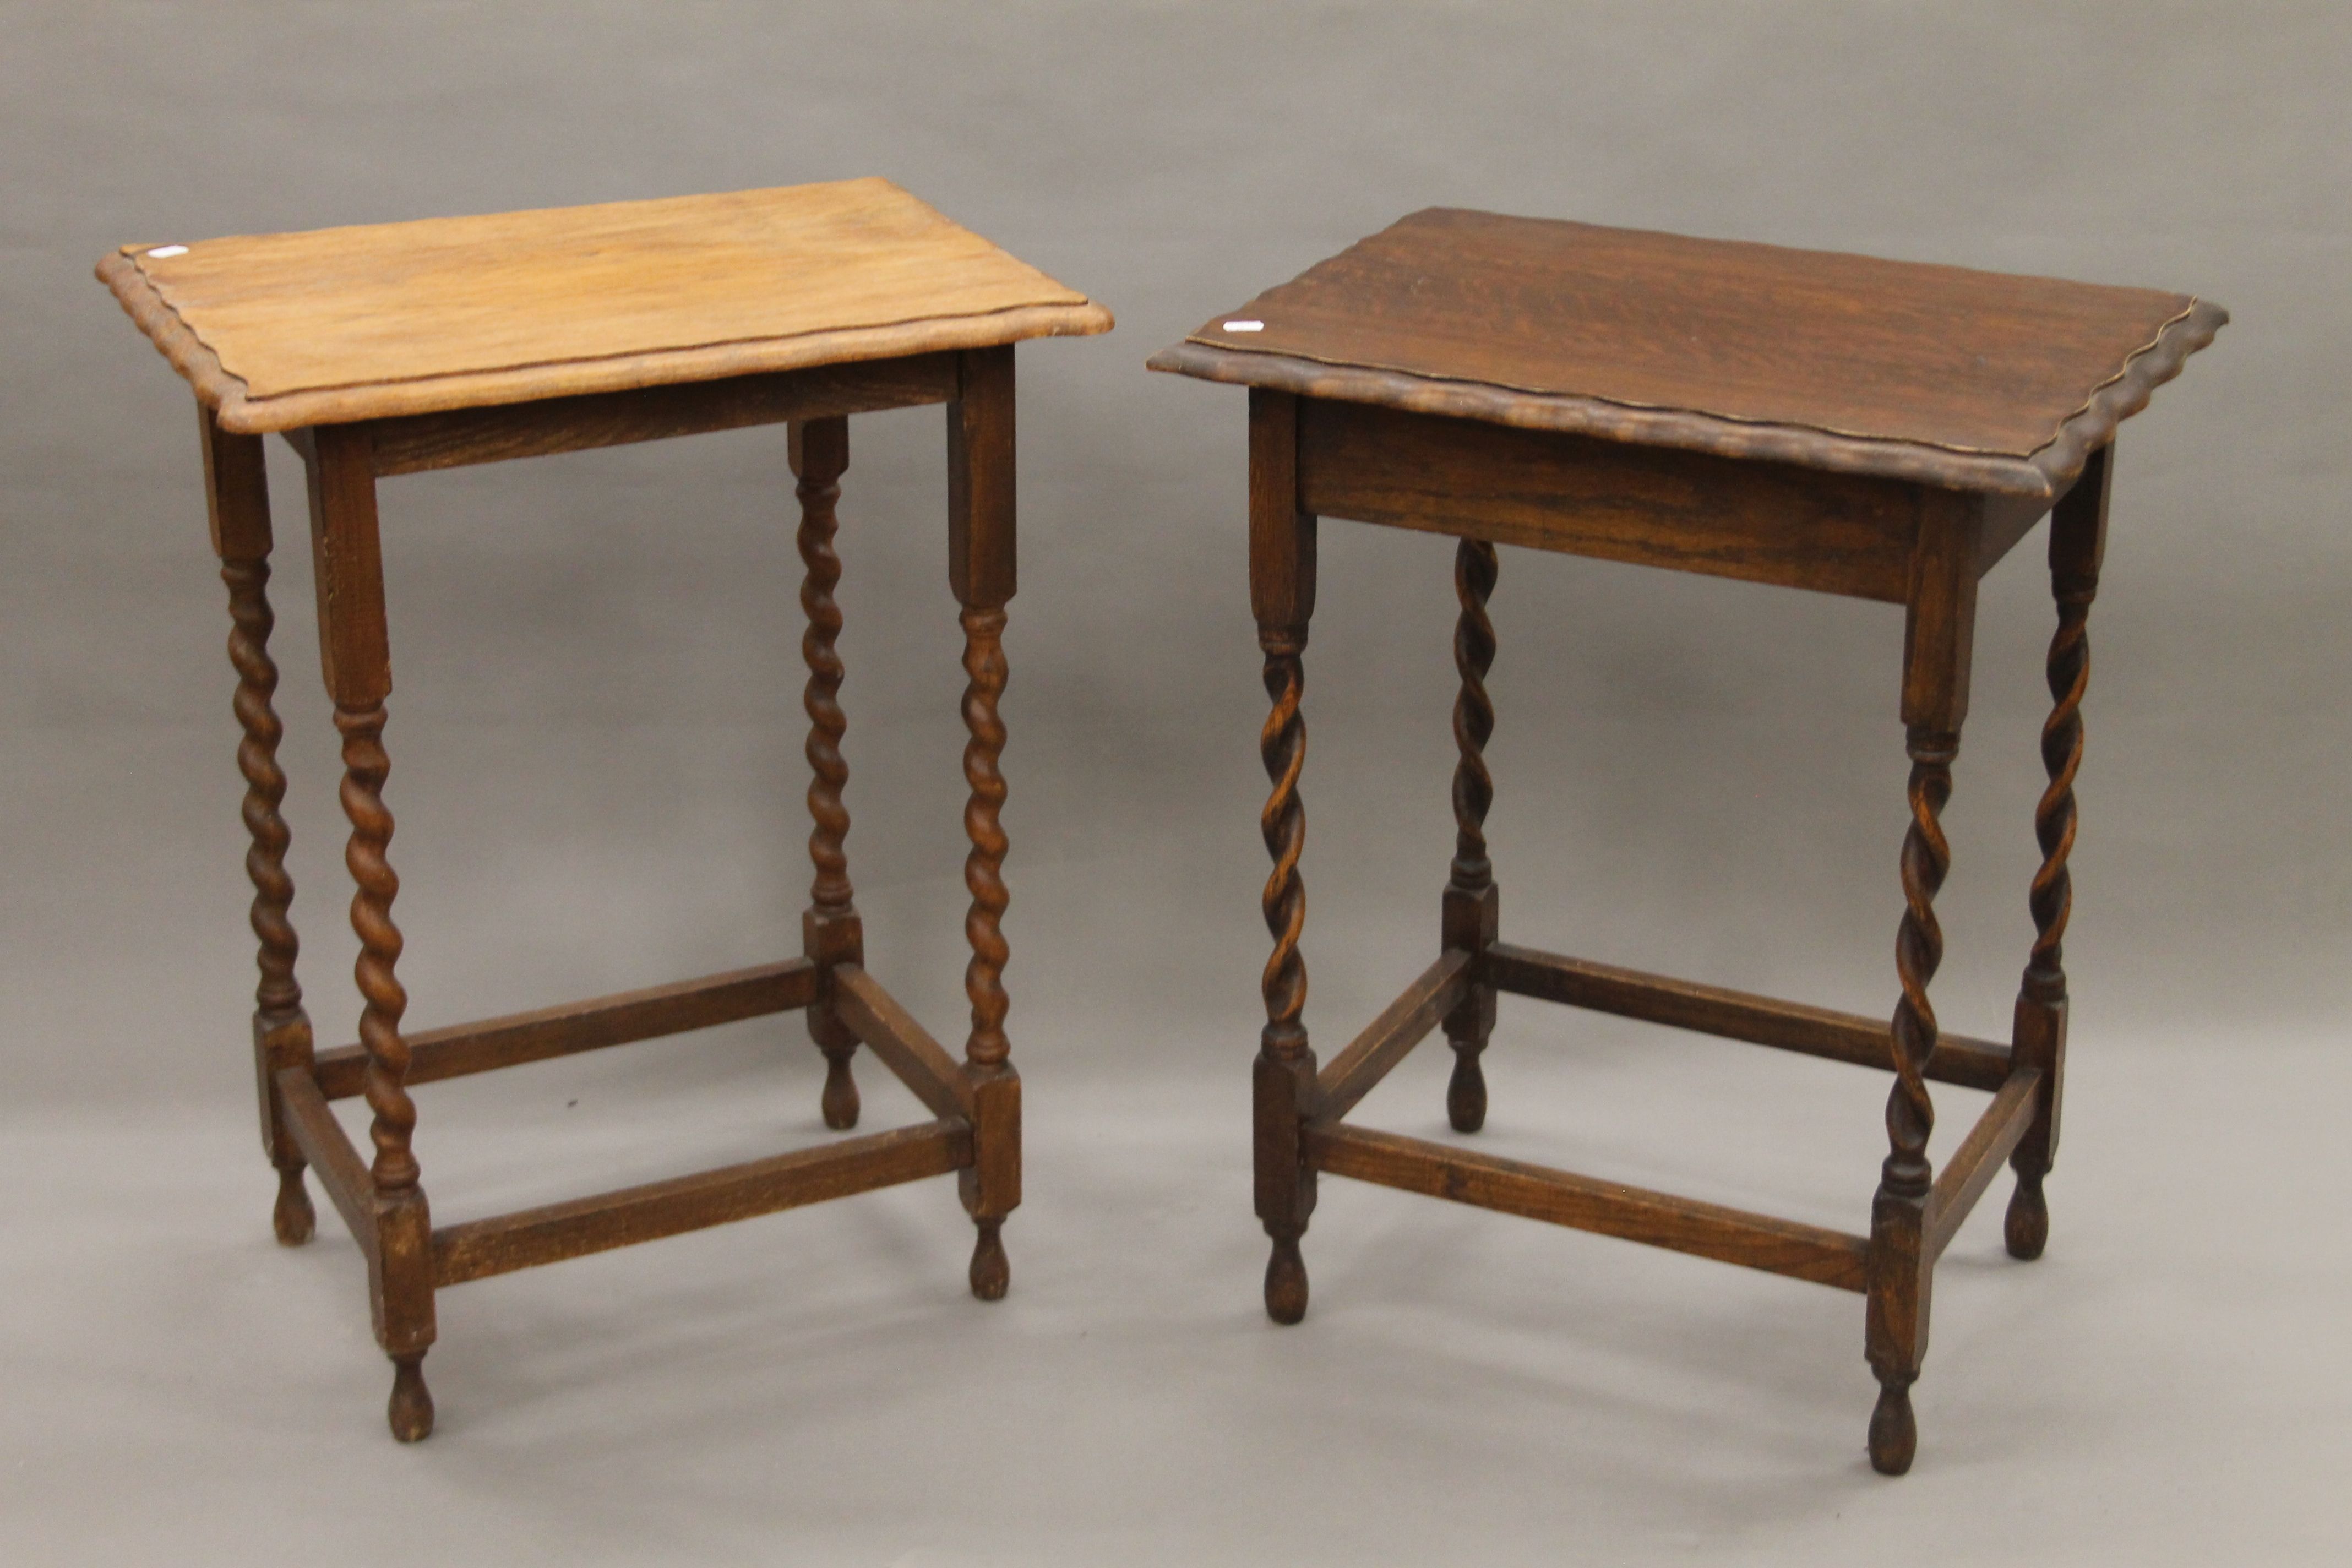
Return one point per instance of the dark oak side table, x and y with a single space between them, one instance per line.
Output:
395 348
1877 428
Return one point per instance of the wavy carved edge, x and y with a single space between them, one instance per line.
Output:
243 415
2044 473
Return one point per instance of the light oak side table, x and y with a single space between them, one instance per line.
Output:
395 348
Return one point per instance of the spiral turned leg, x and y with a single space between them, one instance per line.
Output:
1470 899
831 929
1285 1066
281 1030
1898 1268
404 1288
986 1049
2041 1020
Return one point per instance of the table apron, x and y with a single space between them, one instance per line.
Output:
1654 506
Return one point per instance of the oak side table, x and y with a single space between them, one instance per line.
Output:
394 348
1851 425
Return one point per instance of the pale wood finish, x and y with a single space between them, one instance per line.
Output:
381 320
397 350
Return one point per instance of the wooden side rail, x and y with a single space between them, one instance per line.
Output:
1350 1075
888 1031
324 1144
1636 1213
589 1026
1733 1014
1979 1158
478 1249
413 443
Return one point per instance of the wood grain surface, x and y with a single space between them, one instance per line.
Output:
478 1248
1546 489
335 325
1586 1203
1732 1015
574 1026
1979 380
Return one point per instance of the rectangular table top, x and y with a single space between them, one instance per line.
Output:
1973 380
282 331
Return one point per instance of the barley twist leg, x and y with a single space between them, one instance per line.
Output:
399 1202
831 929
1898 1303
281 1029
2041 994
986 1049
1283 1046
1470 899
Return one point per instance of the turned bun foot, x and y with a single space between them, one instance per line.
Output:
1894 1435
2027 1227
1285 1283
992 1271
1465 1093
292 1219
410 1411
839 1102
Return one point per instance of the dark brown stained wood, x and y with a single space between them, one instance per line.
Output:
992 1185
2078 533
891 1032
1940 614
237 501
1978 380
347 562
1733 1014
1353 1073
1865 428
452 440
1766 523
480 1247
2007 520
615 1020
1979 1159
324 1144
1610 1208
1282 548
1282 530
981 464
1470 912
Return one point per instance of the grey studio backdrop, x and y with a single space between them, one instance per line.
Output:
597 777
